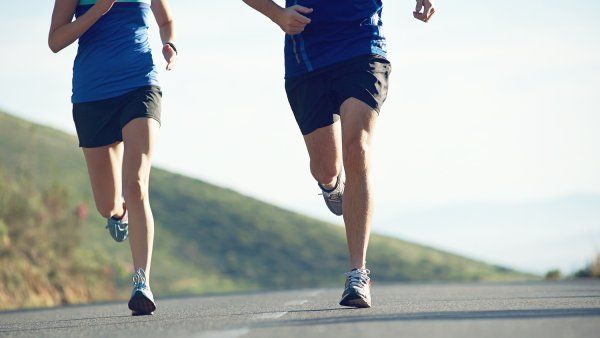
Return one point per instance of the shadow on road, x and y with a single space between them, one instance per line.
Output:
448 315
360 317
129 319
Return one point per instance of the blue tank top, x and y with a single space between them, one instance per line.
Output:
114 55
339 30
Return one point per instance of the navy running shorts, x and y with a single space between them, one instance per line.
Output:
316 96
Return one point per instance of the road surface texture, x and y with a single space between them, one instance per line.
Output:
542 309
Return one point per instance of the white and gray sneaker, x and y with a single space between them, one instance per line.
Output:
357 292
334 197
142 299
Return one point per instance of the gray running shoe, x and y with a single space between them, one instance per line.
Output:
142 299
334 197
118 228
357 292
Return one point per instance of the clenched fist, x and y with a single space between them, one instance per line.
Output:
170 56
103 6
291 19
424 10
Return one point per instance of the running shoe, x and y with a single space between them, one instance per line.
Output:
334 197
357 292
117 227
142 300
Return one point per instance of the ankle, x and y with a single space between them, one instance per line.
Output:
329 187
120 214
358 266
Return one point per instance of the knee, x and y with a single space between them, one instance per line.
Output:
356 155
135 190
325 173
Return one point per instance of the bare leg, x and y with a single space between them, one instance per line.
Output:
324 151
139 136
358 122
104 168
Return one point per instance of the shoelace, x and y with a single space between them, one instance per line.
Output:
139 279
358 277
332 196
336 194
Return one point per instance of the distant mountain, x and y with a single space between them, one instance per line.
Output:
562 232
208 239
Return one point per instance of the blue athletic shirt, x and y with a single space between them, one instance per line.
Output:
114 55
339 30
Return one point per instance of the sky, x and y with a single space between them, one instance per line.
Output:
491 103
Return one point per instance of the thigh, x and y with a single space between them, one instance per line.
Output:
104 167
324 144
139 137
358 122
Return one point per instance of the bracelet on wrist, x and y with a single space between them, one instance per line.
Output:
172 46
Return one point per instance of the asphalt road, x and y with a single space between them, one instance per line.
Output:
552 309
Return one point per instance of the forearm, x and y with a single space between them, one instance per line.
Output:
267 7
167 31
164 20
65 35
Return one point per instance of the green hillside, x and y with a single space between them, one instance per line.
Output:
208 239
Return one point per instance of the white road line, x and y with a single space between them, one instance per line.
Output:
295 302
240 332
270 315
224 334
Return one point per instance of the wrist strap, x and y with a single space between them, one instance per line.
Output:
172 46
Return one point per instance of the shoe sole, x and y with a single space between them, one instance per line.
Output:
120 240
357 302
335 213
140 305
341 213
116 236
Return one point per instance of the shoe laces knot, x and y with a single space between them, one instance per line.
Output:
139 279
333 196
358 277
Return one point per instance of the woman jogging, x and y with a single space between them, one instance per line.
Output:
116 108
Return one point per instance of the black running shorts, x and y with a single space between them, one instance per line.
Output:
100 123
316 96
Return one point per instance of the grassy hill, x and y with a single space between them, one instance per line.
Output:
208 239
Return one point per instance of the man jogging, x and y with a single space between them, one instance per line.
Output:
336 69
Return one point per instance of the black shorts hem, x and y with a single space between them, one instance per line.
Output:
315 127
369 101
147 116
376 108
98 145
120 139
